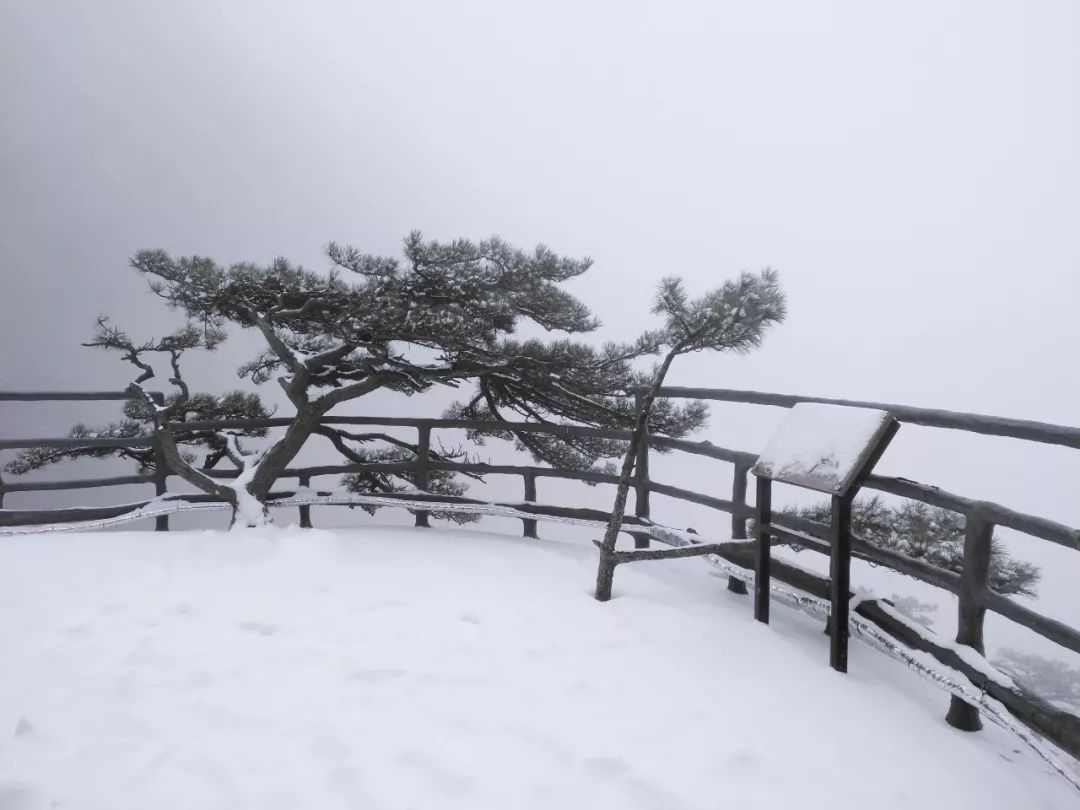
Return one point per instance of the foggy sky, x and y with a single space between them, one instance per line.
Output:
911 169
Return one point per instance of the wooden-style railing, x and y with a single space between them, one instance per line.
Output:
971 586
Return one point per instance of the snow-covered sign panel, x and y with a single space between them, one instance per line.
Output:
824 447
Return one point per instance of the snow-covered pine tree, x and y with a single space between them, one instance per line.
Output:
206 448
733 318
927 533
440 316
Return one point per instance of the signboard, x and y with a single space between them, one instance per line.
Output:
830 449
824 447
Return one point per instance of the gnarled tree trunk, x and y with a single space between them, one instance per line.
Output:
605 574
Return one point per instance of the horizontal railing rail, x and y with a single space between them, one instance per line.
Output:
78 483
69 442
64 396
995 513
929 417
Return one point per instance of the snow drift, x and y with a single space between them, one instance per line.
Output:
395 668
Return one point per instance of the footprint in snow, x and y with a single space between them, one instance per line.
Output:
376 675
15 796
743 759
607 766
380 604
258 628
436 773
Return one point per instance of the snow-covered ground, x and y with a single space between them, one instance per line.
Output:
402 668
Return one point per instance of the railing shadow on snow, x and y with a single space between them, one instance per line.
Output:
971 586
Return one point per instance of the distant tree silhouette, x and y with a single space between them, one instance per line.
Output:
1051 679
927 533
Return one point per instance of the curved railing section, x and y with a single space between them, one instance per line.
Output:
975 596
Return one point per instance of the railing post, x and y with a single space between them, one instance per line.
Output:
1 492
529 525
641 478
161 466
840 581
762 557
974 581
305 510
738 518
423 458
